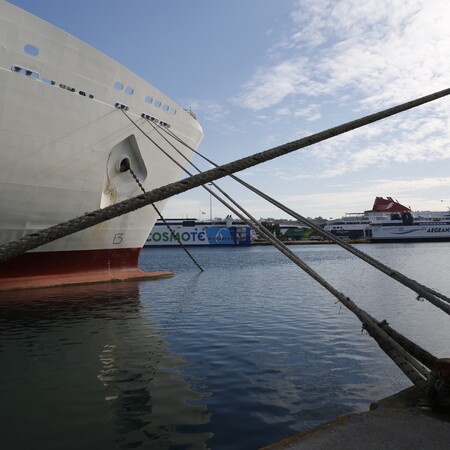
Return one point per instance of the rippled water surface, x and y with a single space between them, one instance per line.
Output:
246 353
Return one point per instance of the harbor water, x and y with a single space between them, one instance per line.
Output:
246 353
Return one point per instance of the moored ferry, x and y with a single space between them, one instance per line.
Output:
420 226
64 140
360 225
192 232
291 232
390 221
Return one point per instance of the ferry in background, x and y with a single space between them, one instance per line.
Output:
192 232
393 222
294 232
64 144
359 225
420 226
390 221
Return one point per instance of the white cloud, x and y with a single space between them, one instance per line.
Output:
272 85
347 58
210 111
382 51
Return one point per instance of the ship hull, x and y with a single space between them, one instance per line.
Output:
412 233
63 136
43 269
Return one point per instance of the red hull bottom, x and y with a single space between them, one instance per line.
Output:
44 269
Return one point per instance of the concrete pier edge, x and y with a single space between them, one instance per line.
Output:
401 421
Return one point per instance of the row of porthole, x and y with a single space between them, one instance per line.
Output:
157 104
35 75
34 51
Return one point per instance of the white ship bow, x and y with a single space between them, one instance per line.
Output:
63 135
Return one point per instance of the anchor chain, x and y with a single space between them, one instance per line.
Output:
126 167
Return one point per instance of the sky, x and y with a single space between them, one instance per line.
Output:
261 73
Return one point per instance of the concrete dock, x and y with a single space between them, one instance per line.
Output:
402 421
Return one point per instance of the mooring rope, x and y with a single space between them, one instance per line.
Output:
245 216
90 219
409 357
412 368
425 292
423 356
407 346
251 221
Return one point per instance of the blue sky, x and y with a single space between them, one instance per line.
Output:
260 73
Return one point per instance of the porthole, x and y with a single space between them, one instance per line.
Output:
46 80
31 50
172 111
86 94
67 88
148 99
24 71
157 103
129 90
165 107
118 85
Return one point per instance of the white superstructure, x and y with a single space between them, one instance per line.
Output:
350 226
63 136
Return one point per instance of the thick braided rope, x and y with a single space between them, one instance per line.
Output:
409 356
436 298
88 220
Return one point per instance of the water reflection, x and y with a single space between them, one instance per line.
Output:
84 368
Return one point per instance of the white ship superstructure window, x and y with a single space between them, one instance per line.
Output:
35 75
46 80
86 94
31 50
24 71
148 99
68 88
